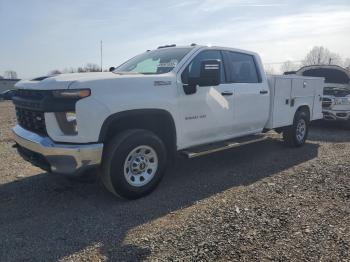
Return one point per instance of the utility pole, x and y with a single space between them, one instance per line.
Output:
101 55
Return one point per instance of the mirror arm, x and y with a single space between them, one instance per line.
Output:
189 89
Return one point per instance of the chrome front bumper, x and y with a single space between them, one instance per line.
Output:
333 115
60 158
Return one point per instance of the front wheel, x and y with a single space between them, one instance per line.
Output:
134 163
296 134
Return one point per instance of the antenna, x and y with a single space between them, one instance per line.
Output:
101 55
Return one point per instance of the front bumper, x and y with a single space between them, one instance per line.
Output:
56 157
333 115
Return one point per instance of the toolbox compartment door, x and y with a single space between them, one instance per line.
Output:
282 109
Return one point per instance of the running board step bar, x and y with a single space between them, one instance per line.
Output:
223 145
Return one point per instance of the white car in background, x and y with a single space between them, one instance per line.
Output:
336 93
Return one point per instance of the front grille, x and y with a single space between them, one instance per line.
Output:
31 120
32 94
326 102
30 99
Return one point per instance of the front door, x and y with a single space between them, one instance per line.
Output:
208 114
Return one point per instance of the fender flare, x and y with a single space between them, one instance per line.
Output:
136 113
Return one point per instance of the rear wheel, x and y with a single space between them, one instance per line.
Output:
296 134
134 163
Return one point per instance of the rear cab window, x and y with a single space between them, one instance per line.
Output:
241 68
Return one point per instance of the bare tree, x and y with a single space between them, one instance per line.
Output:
81 69
288 66
55 72
269 69
69 70
320 55
89 67
10 74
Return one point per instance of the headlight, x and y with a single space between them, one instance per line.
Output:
342 100
71 93
67 122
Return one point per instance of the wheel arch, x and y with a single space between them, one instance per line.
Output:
304 108
159 121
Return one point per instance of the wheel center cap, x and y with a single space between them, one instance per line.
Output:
142 166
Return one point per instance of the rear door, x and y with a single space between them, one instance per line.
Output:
251 98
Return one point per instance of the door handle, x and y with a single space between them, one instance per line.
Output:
263 92
227 93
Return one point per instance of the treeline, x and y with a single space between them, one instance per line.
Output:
89 67
318 55
9 74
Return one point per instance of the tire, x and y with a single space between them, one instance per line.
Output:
296 134
133 164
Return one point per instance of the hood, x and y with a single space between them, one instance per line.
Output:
64 81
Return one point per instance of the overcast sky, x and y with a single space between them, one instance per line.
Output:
39 36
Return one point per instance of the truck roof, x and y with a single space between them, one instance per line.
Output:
195 46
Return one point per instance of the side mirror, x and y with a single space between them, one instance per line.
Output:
7 95
210 73
111 68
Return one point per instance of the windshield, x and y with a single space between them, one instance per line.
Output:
159 61
336 91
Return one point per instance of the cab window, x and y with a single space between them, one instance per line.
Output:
193 69
242 68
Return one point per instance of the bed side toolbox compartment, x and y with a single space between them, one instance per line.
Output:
288 93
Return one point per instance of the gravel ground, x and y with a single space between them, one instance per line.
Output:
254 203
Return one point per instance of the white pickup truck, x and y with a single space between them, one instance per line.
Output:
336 93
129 122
